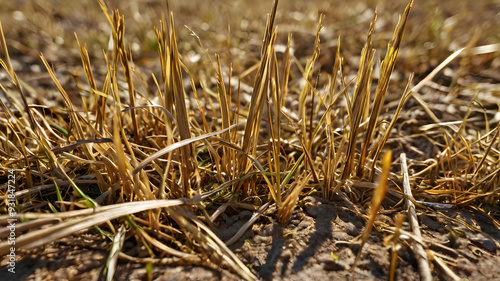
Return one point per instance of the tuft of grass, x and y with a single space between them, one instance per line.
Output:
168 163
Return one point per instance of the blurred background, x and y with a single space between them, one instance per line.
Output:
436 28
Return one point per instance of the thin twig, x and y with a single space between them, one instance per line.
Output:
423 262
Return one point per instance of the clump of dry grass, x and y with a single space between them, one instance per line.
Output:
159 165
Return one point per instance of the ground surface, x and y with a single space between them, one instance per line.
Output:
303 250
320 241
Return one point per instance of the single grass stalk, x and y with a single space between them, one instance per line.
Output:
274 151
225 105
307 91
406 95
377 199
393 242
187 167
116 247
260 88
360 99
126 179
99 99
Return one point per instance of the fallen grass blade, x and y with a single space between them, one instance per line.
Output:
90 217
247 225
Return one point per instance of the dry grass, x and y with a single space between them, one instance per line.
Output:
158 160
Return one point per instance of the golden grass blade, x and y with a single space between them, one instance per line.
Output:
377 199
386 70
10 70
406 95
286 70
93 217
175 146
104 8
152 105
285 210
269 28
488 149
260 88
164 50
126 180
187 167
203 235
224 104
275 129
116 247
360 99
308 88
125 58
336 68
100 99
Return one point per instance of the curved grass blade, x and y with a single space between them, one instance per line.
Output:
176 146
